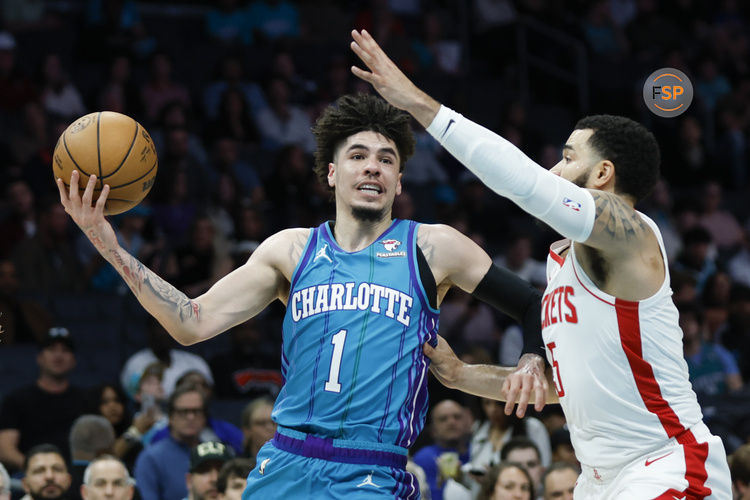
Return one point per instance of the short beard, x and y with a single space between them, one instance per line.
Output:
367 214
580 181
37 496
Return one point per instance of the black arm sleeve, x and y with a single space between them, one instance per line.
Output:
515 297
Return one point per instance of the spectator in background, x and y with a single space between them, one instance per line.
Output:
46 262
250 368
4 483
698 256
559 481
198 264
519 260
15 88
739 468
46 474
28 141
283 123
161 468
232 76
735 334
523 451
498 428
450 428
658 206
274 19
228 160
90 437
507 481
175 115
233 478
257 425
739 264
726 232
114 26
296 198
435 51
235 119
58 95
562 447
215 428
161 348
19 221
206 459
604 37
119 92
23 319
107 478
161 89
713 370
44 411
228 24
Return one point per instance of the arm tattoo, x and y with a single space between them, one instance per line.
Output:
616 219
137 275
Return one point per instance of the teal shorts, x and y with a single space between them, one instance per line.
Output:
294 465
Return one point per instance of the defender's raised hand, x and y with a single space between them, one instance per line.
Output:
389 81
90 218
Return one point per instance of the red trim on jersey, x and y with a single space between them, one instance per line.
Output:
560 261
629 325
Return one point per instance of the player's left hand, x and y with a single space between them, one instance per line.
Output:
389 81
444 363
527 377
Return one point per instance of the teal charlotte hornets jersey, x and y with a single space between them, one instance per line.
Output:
355 324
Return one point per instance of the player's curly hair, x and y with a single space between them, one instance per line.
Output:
356 113
630 146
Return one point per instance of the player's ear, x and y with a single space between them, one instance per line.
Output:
398 184
603 174
331 172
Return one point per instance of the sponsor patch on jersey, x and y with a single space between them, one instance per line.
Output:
572 204
390 247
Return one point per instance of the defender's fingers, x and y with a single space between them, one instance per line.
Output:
512 396
88 193
541 394
523 400
364 75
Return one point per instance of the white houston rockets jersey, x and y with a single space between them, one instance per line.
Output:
618 365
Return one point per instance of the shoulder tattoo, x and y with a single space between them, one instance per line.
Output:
616 219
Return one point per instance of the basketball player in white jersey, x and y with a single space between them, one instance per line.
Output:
608 321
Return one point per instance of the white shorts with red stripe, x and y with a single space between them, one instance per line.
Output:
692 466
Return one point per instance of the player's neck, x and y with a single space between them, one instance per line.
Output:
353 234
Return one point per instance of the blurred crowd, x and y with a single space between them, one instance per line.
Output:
229 90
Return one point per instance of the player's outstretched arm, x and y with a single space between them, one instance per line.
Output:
487 381
499 164
234 299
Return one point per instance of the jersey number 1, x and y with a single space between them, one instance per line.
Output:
333 384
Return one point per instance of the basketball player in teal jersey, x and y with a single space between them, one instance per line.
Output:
362 295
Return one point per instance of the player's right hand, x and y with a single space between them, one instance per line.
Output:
90 218
527 378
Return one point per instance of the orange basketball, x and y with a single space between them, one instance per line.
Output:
114 147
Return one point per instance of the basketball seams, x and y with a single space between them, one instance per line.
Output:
70 155
137 179
99 147
124 158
